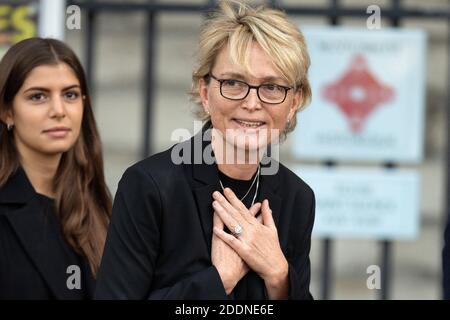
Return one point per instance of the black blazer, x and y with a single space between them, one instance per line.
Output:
33 255
159 240
446 261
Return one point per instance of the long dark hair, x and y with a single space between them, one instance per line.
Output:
83 202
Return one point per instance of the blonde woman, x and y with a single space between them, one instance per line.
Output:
226 229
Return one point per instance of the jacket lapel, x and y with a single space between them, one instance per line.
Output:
38 233
206 178
269 186
203 197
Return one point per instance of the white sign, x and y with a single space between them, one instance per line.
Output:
364 203
368 95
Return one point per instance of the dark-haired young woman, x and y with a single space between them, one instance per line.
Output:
54 203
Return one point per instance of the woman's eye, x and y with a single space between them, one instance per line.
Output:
37 97
71 95
272 87
231 83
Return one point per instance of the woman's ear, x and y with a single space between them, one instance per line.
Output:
6 117
295 104
203 92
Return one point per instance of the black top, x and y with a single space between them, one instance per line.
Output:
159 239
240 187
35 260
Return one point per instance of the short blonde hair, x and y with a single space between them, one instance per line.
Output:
238 25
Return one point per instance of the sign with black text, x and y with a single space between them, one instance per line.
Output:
364 203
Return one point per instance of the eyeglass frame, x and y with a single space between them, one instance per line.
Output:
221 81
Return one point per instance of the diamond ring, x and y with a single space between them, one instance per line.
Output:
237 230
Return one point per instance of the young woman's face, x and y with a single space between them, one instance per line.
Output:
47 111
244 121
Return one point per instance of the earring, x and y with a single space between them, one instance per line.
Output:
9 126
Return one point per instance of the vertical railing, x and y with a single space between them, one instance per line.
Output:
89 47
327 243
149 84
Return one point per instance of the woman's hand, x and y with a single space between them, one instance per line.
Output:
258 244
230 266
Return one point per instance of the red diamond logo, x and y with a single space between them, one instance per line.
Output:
358 93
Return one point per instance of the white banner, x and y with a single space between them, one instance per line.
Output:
364 203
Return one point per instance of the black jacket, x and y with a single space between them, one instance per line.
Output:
159 240
33 255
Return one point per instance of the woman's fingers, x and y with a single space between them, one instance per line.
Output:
266 213
237 245
227 219
258 244
234 200
235 207
217 222
231 210
255 209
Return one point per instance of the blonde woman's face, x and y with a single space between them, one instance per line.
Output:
248 123
47 111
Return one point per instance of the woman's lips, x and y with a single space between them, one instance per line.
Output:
249 124
57 132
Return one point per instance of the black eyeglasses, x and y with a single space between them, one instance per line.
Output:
238 90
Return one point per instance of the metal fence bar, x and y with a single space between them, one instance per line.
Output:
386 245
326 273
446 215
386 249
386 256
18 2
290 9
130 7
327 243
149 84
89 48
